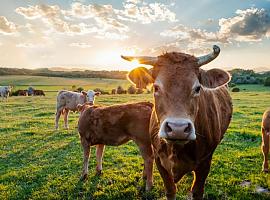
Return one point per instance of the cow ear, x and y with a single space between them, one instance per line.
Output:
97 93
79 107
84 93
141 77
214 78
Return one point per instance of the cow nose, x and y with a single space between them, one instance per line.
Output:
178 129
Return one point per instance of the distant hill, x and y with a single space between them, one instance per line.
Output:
61 72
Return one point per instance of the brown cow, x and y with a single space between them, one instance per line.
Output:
21 93
265 138
191 114
39 93
116 125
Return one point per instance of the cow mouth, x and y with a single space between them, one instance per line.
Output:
177 141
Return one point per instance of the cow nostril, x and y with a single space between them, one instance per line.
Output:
188 128
168 128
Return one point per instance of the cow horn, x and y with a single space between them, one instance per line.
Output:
141 59
208 58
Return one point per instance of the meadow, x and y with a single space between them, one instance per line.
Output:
38 162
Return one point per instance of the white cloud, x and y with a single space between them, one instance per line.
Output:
247 26
7 27
80 45
147 13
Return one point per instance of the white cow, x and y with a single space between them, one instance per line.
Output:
5 92
68 100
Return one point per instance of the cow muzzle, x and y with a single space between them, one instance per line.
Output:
177 129
91 103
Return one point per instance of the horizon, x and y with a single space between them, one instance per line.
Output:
92 35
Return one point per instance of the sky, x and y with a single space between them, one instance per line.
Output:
93 34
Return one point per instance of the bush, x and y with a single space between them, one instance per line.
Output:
235 89
131 89
79 89
101 91
120 90
139 91
267 81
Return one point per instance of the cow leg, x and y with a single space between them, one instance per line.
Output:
86 154
265 150
167 180
148 157
99 156
57 116
200 175
66 112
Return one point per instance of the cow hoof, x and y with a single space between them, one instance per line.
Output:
84 177
265 170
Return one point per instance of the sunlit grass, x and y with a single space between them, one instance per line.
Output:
37 162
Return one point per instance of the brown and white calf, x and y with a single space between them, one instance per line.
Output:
265 139
68 101
114 126
192 111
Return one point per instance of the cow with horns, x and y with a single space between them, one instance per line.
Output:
192 111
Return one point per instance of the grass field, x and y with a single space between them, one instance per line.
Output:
37 162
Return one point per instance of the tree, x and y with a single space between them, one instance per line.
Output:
131 89
267 81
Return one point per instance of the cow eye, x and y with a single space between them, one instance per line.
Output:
156 88
197 89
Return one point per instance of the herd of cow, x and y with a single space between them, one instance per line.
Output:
191 112
5 91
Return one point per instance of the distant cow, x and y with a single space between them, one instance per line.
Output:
265 138
21 93
192 112
38 93
5 92
68 100
116 125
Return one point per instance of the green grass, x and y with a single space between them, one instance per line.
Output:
37 162
58 83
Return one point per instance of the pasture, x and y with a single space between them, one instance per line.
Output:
38 162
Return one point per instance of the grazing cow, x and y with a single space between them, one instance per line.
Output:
116 125
265 138
22 93
192 112
38 93
67 100
5 91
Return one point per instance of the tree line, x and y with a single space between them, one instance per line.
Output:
68 74
239 76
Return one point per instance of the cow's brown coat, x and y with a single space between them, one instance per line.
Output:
115 125
210 112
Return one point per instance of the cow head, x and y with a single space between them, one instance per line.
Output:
91 96
83 107
178 83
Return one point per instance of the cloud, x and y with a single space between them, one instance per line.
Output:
7 27
80 45
249 25
146 13
50 15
